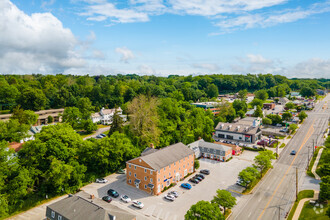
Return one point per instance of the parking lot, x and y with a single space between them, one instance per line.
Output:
222 176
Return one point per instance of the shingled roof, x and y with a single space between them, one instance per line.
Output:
237 128
166 156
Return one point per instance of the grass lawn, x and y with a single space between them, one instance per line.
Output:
301 195
102 126
308 212
309 172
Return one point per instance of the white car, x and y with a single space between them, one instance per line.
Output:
101 180
174 193
138 204
125 198
169 197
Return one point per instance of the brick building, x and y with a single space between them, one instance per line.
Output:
158 169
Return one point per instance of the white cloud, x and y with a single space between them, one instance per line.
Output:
311 68
98 54
36 43
207 66
126 54
272 18
146 70
102 11
253 63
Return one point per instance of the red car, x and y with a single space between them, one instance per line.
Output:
107 199
263 142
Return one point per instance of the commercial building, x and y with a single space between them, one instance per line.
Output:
208 106
83 206
43 116
211 150
158 169
241 131
269 105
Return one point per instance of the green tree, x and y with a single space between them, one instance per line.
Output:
239 105
204 210
12 130
276 119
248 175
325 188
286 116
32 99
266 121
89 126
50 119
27 117
144 120
212 91
225 199
263 160
117 123
307 91
242 94
293 127
72 116
261 94
258 112
196 164
290 105
257 102
302 115
85 107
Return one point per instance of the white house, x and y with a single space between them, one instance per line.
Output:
105 115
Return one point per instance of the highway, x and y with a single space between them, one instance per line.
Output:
275 194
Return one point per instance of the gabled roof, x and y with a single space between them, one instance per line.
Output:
166 156
237 128
148 150
78 208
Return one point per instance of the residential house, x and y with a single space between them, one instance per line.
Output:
211 150
83 206
157 170
241 131
269 105
283 100
105 115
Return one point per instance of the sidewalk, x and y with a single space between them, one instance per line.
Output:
301 205
316 163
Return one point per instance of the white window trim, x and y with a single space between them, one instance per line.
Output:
53 214
59 217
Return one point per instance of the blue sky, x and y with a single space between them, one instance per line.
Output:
162 37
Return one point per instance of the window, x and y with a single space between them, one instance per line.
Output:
174 163
145 170
129 173
221 135
158 180
158 171
145 186
135 175
164 168
150 180
184 166
150 171
129 165
179 168
174 171
164 177
134 167
230 137
188 163
59 217
130 181
240 138
145 178
53 214
169 166
169 174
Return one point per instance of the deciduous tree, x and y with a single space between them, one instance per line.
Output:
224 199
204 210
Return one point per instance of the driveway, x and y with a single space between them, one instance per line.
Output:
222 176
97 132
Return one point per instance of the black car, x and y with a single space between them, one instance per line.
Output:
200 175
193 180
107 199
113 193
206 172
293 152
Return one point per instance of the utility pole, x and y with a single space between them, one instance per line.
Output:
279 213
313 146
296 183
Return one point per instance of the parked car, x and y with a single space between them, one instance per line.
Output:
278 125
103 135
107 199
293 152
240 183
169 197
174 193
99 136
200 175
113 193
284 130
198 178
121 171
207 172
263 142
125 198
186 185
101 180
193 180
138 204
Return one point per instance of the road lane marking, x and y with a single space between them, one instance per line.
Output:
278 186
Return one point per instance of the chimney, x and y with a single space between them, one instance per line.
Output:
152 145
92 197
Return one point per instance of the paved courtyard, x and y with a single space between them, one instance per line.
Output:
223 176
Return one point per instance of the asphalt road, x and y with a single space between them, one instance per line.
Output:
275 194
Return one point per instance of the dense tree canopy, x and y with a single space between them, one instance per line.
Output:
204 210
